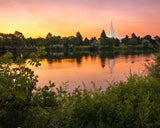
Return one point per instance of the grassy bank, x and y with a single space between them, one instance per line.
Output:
78 48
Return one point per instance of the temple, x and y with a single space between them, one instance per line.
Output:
111 33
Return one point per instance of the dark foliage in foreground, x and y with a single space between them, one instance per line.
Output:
135 103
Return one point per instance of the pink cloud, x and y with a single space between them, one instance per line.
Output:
84 14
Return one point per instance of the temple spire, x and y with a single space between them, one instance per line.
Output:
111 33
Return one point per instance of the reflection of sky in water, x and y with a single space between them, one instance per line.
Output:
88 69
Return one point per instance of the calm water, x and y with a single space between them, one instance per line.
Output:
99 68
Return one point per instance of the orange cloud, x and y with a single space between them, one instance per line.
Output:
38 17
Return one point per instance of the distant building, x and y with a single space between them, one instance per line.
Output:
111 33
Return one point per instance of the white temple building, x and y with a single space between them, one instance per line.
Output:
111 33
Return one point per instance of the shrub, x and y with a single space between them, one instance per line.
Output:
130 104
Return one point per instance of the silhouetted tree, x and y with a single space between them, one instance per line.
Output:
134 36
66 41
117 42
17 40
72 40
125 40
40 41
108 41
157 38
79 38
92 39
103 41
30 42
138 39
103 34
148 37
132 41
49 35
95 45
111 42
86 41
19 35
146 43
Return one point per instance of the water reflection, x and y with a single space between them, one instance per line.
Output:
111 63
100 67
103 55
103 62
86 66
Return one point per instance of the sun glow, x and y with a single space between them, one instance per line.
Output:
36 18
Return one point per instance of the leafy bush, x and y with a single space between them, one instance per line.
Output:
130 104
134 103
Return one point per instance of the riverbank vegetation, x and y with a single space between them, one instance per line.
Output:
130 104
18 41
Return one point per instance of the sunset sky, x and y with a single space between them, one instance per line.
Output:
65 17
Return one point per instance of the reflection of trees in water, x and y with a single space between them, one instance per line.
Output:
103 55
111 59
86 56
103 62
79 61
77 56
50 61
126 58
108 54
58 57
132 59
93 54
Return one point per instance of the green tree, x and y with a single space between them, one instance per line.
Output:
95 45
157 38
138 39
117 43
132 41
146 43
72 40
148 37
86 41
103 41
40 41
30 42
66 41
125 40
57 40
111 42
78 39
16 90
92 39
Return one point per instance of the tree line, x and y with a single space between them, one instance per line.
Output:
17 39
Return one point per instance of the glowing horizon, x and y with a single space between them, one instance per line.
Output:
35 18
